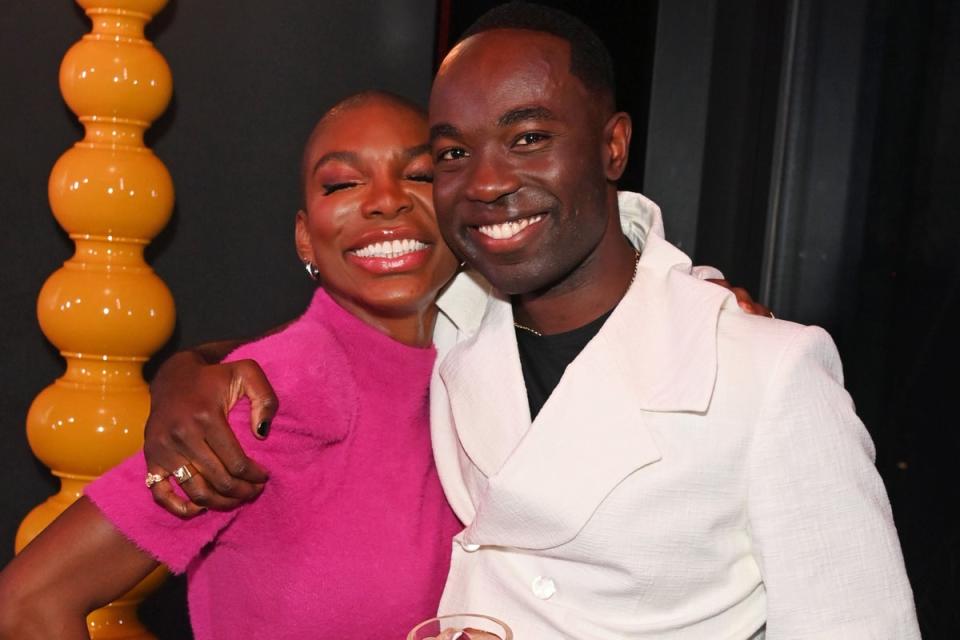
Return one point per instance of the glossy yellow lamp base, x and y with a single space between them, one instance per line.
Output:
104 309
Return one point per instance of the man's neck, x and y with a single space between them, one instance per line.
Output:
593 288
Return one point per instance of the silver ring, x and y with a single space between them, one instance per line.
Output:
153 478
182 473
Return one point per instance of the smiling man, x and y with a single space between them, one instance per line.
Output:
633 455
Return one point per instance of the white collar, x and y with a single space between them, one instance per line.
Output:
464 300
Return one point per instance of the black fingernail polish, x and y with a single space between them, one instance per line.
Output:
263 428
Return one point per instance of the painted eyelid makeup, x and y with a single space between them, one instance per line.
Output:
421 167
332 179
333 187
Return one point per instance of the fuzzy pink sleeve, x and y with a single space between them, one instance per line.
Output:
126 502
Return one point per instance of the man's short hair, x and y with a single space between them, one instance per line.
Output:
590 60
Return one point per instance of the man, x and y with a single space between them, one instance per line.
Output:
696 472
633 456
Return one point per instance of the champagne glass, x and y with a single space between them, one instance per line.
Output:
459 626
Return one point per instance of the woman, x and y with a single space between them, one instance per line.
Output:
351 471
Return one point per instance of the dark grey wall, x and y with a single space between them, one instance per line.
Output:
826 135
250 78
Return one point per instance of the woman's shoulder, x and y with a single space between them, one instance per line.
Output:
301 343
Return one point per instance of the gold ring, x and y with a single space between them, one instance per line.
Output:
153 478
182 473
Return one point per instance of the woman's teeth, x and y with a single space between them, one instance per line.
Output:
389 249
506 230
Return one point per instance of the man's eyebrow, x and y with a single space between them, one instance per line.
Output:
525 113
510 117
413 152
343 156
443 130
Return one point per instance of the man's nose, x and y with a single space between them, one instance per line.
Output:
386 198
490 178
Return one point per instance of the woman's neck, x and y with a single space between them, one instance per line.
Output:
412 327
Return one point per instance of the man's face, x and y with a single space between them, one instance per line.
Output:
519 183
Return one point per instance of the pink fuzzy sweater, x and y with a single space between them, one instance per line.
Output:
351 537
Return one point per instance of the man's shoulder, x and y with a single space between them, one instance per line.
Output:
774 356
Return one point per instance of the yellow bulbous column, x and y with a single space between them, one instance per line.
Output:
104 309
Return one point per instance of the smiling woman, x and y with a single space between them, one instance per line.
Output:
348 468
368 222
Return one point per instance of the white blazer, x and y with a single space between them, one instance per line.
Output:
697 473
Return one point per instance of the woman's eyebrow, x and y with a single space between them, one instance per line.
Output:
348 157
418 150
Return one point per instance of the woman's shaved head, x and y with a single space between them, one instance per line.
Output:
346 105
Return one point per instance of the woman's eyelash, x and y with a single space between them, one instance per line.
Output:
421 177
337 186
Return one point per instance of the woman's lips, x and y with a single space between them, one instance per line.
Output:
389 248
390 256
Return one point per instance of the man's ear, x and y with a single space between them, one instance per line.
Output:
302 238
616 144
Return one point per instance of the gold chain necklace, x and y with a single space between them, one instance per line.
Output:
636 267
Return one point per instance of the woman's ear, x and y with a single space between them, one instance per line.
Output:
616 144
302 238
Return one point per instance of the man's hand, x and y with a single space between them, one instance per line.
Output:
744 299
190 400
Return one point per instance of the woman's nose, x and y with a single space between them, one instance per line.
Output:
387 198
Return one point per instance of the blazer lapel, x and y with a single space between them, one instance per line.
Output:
587 438
486 391
656 353
669 320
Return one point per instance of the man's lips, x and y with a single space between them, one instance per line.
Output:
506 230
507 236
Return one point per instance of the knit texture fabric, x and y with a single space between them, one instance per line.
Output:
352 535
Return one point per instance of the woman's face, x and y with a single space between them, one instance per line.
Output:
368 222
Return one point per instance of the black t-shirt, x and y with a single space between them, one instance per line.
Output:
543 359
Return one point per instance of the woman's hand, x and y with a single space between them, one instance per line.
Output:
744 299
190 399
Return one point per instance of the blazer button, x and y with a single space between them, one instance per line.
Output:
543 587
470 547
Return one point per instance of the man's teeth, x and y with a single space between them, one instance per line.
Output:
390 249
506 230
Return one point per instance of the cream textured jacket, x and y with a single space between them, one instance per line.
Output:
697 473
